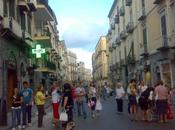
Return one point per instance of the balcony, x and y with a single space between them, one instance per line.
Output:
113 26
128 2
163 42
12 26
141 14
114 45
44 12
131 60
23 5
42 36
27 38
157 1
118 41
130 27
110 49
109 31
144 52
32 5
123 35
50 65
122 11
117 19
122 63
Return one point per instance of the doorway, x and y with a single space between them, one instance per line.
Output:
11 84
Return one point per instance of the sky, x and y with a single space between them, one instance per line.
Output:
81 23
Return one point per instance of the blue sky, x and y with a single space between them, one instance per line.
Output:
81 23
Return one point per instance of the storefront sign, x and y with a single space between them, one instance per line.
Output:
38 51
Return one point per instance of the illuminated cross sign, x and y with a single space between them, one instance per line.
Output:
38 51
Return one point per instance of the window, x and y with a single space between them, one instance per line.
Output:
145 40
29 24
163 27
12 8
5 8
23 21
143 3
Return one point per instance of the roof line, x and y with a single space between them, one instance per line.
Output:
112 8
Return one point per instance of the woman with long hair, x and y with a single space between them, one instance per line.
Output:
40 99
56 97
132 94
16 109
67 104
92 99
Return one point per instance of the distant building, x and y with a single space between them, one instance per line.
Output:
99 62
72 66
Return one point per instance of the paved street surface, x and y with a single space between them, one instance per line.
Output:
108 120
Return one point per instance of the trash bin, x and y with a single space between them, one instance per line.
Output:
3 112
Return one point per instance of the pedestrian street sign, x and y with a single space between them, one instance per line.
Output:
38 51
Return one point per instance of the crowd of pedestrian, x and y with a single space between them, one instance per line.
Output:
146 103
68 98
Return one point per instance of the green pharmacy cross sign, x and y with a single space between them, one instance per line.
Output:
38 51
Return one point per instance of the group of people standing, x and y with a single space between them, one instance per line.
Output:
69 98
22 101
151 101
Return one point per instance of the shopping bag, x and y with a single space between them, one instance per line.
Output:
170 113
98 105
63 116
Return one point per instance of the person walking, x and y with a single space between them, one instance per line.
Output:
81 100
56 98
16 109
132 94
67 103
120 93
27 98
74 96
92 99
162 101
40 99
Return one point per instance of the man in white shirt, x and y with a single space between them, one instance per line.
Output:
81 100
120 93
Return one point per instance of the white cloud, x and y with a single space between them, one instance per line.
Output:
83 55
79 32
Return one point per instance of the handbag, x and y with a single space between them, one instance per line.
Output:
63 116
98 106
91 103
170 113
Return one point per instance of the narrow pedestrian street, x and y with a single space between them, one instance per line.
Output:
108 120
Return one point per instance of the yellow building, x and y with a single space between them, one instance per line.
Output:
99 62
142 38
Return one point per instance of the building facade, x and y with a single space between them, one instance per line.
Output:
88 76
72 61
142 40
99 62
81 71
29 44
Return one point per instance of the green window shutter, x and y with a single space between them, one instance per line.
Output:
23 21
145 37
